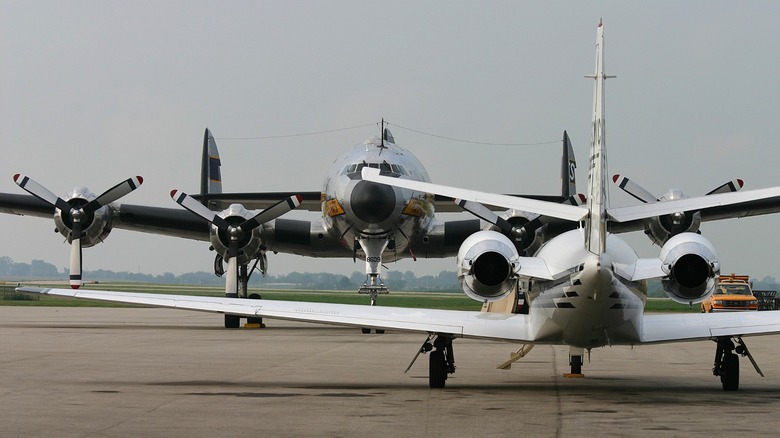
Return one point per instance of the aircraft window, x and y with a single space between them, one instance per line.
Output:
385 168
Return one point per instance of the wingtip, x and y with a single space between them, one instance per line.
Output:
173 193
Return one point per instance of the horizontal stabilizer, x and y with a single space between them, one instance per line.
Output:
642 269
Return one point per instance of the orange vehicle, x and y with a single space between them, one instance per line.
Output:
733 293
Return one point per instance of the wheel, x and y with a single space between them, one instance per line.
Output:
365 331
729 376
232 321
437 369
576 364
380 331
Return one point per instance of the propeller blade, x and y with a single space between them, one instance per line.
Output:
189 203
113 194
634 189
41 192
272 212
485 214
731 186
75 253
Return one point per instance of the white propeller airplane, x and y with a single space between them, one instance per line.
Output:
359 219
585 287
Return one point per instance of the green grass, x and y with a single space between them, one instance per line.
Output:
432 300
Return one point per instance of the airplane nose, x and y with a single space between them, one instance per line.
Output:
371 202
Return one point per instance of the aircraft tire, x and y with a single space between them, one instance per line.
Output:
232 321
730 372
437 369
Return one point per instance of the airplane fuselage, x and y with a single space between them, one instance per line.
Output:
359 213
590 306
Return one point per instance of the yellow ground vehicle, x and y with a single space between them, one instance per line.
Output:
733 293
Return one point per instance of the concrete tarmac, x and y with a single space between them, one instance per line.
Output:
113 372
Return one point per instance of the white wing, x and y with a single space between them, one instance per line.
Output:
465 324
697 326
552 209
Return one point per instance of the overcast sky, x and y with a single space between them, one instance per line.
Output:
93 92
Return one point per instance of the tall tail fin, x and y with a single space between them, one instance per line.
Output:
210 175
568 165
596 225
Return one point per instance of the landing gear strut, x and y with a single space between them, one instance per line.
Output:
234 321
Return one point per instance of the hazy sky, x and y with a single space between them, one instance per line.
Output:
93 92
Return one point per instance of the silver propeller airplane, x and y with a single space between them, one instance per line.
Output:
585 287
359 219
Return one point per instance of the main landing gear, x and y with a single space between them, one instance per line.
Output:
441 359
727 362
244 273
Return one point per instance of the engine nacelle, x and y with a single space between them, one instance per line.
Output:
692 267
662 228
95 227
486 266
249 244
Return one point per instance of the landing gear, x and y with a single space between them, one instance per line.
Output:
234 321
441 361
373 287
575 362
727 362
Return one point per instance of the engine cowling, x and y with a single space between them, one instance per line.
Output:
95 227
249 244
486 265
662 228
692 266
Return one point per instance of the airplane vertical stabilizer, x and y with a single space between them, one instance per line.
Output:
568 166
210 175
596 225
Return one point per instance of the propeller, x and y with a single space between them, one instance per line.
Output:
77 214
643 195
674 223
235 232
517 233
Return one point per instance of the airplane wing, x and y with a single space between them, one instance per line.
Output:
458 323
711 207
561 211
311 201
700 326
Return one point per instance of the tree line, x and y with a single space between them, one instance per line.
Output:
400 281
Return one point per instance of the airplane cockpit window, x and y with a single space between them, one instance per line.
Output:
384 167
